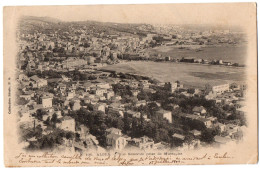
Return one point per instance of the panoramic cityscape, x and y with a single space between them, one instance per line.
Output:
102 86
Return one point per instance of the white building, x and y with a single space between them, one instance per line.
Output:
38 82
76 105
109 94
115 139
100 107
218 88
46 101
166 114
171 87
201 111
68 124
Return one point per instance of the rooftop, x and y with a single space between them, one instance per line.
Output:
196 132
67 118
161 111
198 109
179 136
35 78
113 130
113 136
222 140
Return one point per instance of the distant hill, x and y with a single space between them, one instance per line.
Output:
29 24
42 19
32 23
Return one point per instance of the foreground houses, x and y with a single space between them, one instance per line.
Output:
143 143
37 82
200 111
115 140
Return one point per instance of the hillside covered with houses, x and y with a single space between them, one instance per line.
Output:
66 102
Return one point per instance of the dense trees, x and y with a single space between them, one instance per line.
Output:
122 90
49 141
238 118
21 101
95 121
39 114
45 73
160 95
159 39
207 135
58 50
143 96
78 76
193 124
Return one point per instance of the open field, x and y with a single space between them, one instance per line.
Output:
191 75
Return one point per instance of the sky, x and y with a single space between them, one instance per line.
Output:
227 14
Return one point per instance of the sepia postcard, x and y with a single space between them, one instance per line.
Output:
127 85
